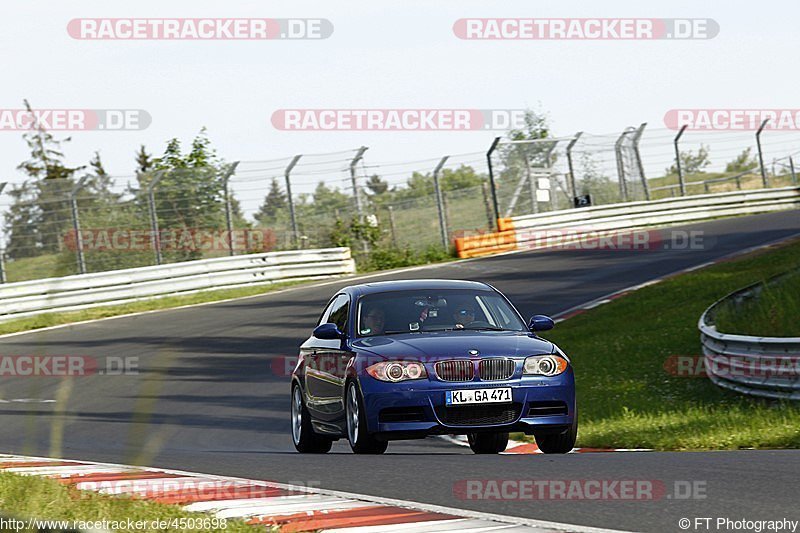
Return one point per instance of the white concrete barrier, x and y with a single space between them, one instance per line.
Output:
121 286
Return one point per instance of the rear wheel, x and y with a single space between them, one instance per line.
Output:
360 440
560 442
487 442
303 436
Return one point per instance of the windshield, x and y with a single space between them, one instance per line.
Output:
398 312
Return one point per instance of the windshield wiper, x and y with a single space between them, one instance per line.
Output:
399 332
476 328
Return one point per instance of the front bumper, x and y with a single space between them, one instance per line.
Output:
415 409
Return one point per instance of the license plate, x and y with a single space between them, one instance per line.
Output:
472 396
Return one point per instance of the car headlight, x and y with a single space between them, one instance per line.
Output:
544 365
395 371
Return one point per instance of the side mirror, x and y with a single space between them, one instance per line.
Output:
328 331
541 323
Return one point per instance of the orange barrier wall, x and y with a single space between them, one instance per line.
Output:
504 240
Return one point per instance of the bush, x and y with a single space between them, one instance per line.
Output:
385 258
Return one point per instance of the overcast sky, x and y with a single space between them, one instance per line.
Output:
384 54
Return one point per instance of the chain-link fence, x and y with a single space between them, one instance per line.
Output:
93 223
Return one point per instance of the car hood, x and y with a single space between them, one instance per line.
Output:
456 344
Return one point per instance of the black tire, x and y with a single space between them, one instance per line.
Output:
560 442
360 440
487 442
306 441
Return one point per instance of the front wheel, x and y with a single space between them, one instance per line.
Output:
303 436
360 440
487 442
561 442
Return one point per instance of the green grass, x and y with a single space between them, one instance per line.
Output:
627 399
773 313
39 267
694 183
46 499
54 319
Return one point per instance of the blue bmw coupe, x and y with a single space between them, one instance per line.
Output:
408 359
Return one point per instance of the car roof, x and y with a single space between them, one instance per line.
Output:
415 284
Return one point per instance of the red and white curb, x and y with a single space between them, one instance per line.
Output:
516 447
289 508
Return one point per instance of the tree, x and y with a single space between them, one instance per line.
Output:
99 182
464 177
275 204
144 161
692 163
744 161
330 199
536 128
48 215
191 191
21 222
377 186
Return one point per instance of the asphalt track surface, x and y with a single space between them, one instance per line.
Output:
209 397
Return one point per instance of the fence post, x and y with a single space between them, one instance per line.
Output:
2 250
531 185
550 174
391 226
761 155
487 203
439 203
492 184
228 216
791 169
356 195
681 183
151 200
623 189
76 223
636 138
573 190
290 200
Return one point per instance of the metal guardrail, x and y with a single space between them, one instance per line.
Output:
83 291
620 212
767 367
526 232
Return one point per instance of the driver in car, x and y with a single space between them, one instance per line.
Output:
464 317
374 321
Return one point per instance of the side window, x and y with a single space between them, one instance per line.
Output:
327 312
340 311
